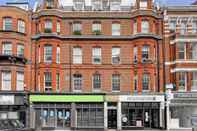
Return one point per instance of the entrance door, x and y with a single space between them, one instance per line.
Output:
147 118
112 118
60 118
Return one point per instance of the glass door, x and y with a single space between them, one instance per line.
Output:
112 118
60 118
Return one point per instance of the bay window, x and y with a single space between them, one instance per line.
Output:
7 48
145 53
58 55
20 50
48 81
145 26
7 24
48 26
21 26
48 53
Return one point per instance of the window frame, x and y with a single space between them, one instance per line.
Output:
58 54
77 82
184 76
21 26
19 52
6 88
114 55
96 56
49 81
6 51
146 82
145 52
181 52
20 82
48 54
98 83
117 82
77 56
7 26
145 26
116 29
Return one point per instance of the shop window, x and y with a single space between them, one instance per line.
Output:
6 80
182 81
48 81
194 26
145 53
145 26
194 81
7 24
20 50
77 55
20 81
77 82
57 81
77 28
145 82
58 55
96 55
115 55
48 26
7 48
21 26
115 29
115 82
96 82
96 28
48 53
181 50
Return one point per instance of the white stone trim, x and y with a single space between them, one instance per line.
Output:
183 40
181 62
183 70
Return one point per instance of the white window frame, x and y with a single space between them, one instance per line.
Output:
116 53
182 51
97 5
145 26
185 81
20 81
77 26
57 82
172 25
116 29
146 77
93 78
48 54
96 27
145 51
58 50
96 54
58 27
6 86
79 81
77 55
194 51
7 48
48 24
115 6
7 24
183 27
194 26
21 26
135 27
49 88
82 4
20 50
135 54
143 4
115 80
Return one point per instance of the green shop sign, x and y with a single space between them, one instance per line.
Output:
66 98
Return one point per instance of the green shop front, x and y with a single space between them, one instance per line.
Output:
67 112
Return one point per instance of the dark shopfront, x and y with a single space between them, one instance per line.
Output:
14 107
140 115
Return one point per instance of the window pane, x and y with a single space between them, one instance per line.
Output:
77 82
57 81
135 27
145 82
7 24
96 55
20 50
181 48
194 51
6 80
21 26
115 82
48 81
182 81
97 5
115 55
96 27
48 24
96 81
145 26
145 53
58 55
135 54
20 81
115 29
77 27
183 29
48 54
172 25
58 27
7 48
77 55
194 26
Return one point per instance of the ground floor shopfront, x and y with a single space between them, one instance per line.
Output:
14 106
183 110
96 112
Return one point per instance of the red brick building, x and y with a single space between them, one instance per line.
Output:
94 65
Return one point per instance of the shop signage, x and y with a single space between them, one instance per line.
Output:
185 95
141 98
66 98
6 99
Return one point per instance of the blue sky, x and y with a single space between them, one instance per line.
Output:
168 2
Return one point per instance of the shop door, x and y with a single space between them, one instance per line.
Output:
147 118
63 118
112 119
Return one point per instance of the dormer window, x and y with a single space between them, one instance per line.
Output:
97 5
115 6
79 5
49 4
143 4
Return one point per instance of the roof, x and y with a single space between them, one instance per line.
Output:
17 1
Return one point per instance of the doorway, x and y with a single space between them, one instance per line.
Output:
112 118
